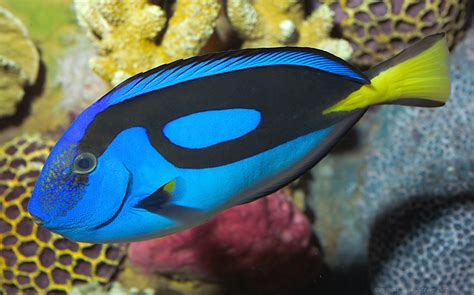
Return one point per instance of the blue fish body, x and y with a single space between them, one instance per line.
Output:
170 148
200 192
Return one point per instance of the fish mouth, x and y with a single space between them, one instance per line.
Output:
46 225
46 222
61 229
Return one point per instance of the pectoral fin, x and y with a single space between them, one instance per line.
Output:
170 186
163 202
156 200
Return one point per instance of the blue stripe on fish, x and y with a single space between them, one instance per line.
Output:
205 129
215 64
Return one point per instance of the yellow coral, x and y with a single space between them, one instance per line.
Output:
19 62
32 259
134 35
267 23
380 29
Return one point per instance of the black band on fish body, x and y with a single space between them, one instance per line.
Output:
291 100
275 183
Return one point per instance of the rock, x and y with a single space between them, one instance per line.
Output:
81 86
19 62
420 189
264 243
336 200
115 288
401 157
425 246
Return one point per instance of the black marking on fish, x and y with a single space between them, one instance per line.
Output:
272 184
291 100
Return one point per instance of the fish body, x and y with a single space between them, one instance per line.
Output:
170 148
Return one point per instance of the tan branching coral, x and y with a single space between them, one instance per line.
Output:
19 62
380 29
266 23
32 259
136 35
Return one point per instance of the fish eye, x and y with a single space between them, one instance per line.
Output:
84 163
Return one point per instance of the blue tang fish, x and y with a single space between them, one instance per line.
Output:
170 148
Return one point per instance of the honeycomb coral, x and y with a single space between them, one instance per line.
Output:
424 245
265 23
380 29
19 62
135 35
32 259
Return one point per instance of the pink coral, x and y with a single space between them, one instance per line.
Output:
266 241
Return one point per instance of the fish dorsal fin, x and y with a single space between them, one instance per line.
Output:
219 63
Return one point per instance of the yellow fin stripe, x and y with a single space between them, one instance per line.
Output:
423 77
169 187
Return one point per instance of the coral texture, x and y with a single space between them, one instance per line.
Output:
403 162
380 29
136 35
19 62
132 278
115 288
425 246
32 259
265 23
266 242
79 83
425 198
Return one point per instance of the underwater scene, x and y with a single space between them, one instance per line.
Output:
227 147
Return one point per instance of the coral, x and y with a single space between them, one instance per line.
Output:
399 157
135 35
32 259
79 83
469 43
265 243
265 23
425 196
19 62
380 29
115 288
429 151
131 278
425 246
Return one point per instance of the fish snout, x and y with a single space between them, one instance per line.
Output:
35 212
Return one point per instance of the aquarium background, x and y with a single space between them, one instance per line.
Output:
389 211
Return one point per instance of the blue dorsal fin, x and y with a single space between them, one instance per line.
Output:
225 62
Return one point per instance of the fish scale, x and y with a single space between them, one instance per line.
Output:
170 148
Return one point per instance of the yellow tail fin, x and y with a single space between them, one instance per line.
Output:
417 76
